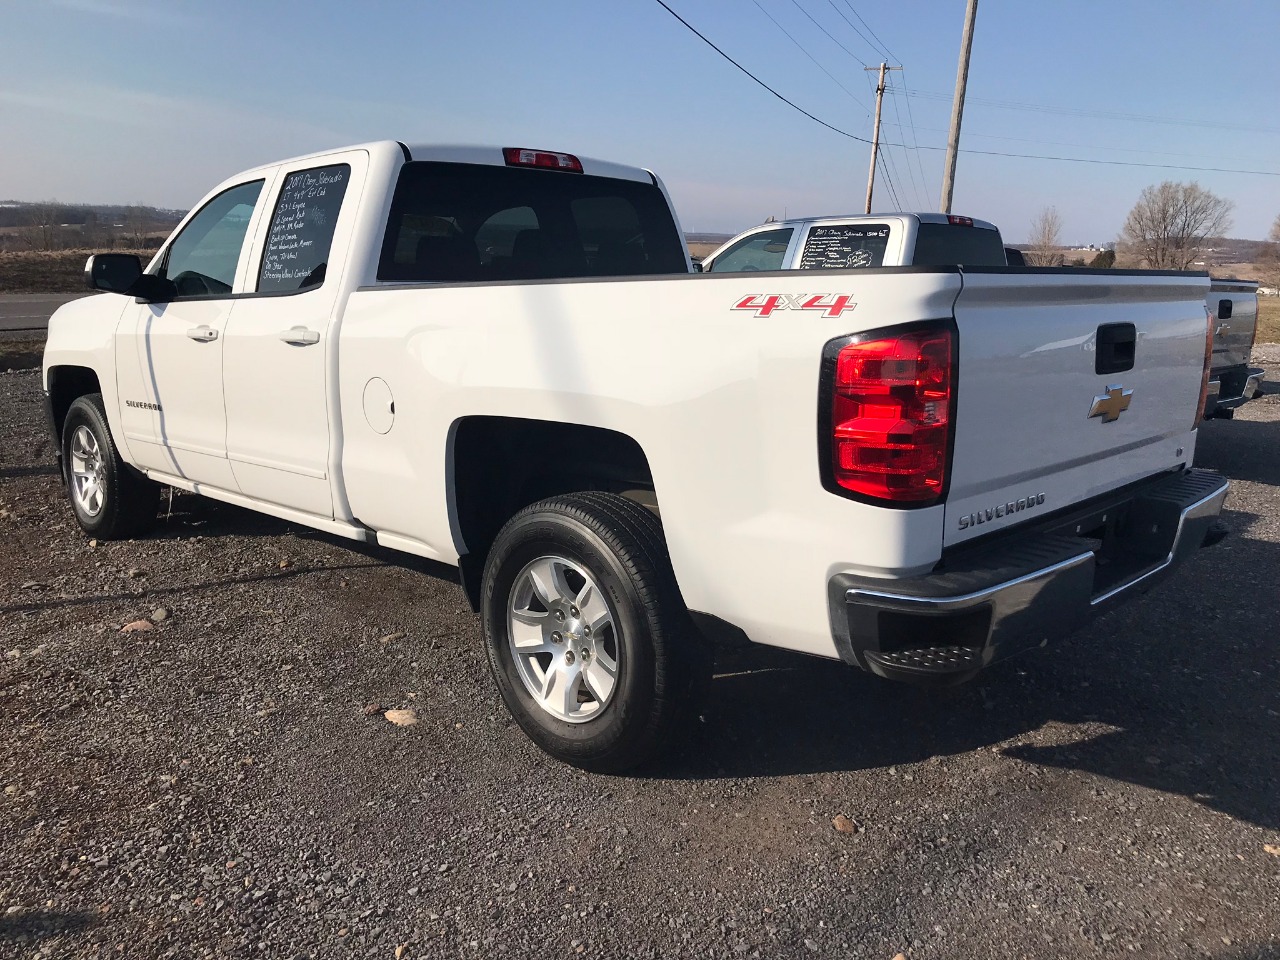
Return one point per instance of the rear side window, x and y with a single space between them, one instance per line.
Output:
843 246
297 251
455 222
202 259
760 251
946 245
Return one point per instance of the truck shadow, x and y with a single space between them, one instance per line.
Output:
32 926
1242 449
1174 692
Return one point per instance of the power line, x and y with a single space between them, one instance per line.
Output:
1113 163
808 54
989 153
893 192
794 106
1095 114
1094 146
912 120
886 50
907 153
829 36
853 27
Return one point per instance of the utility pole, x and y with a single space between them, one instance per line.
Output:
957 106
875 135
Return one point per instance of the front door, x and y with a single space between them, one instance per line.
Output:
279 359
170 355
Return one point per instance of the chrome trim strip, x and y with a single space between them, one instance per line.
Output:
966 599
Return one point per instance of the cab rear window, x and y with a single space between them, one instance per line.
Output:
455 222
946 245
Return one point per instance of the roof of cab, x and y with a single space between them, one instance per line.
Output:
845 218
466 153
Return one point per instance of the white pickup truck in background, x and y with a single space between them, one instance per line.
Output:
1233 309
861 241
499 359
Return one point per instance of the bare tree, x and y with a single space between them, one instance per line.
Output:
1269 258
1046 237
43 227
1169 225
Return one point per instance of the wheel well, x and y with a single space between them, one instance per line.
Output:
66 384
499 465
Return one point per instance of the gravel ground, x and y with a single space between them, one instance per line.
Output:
224 784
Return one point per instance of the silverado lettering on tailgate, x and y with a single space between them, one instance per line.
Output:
1001 510
763 304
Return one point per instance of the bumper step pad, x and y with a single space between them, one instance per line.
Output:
927 663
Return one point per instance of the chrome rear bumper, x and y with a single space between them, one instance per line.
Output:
1020 591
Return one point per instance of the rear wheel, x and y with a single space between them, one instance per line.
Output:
588 639
108 497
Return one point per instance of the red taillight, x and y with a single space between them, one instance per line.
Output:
522 157
1210 323
891 401
959 221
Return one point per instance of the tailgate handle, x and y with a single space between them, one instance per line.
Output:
1116 345
1224 309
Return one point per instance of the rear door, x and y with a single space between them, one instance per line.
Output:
278 343
1069 387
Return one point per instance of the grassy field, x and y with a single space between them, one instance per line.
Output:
56 271
16 354
1269 320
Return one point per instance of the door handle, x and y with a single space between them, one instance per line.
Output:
202 333
300 336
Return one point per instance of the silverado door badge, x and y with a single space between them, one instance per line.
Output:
1111 404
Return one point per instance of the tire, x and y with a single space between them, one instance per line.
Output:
109 498
607 554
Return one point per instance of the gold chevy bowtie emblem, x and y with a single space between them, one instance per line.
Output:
1111 404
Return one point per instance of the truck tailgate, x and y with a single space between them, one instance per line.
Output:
1038 426
1235 325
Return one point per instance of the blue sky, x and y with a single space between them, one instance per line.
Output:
152 102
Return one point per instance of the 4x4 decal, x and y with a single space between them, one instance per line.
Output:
763 304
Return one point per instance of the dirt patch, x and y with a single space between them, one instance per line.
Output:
18 354
219 786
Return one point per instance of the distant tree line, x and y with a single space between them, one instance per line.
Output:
1173 226
50 225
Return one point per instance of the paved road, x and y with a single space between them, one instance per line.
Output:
31 311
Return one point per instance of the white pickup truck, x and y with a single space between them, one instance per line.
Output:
499 359
861 241
1233 307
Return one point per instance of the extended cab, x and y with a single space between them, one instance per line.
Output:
1233 309
499 359
864 240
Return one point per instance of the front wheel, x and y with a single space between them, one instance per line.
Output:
109 498
588 639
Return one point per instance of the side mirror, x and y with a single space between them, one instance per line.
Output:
112 272
697 266
122 273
